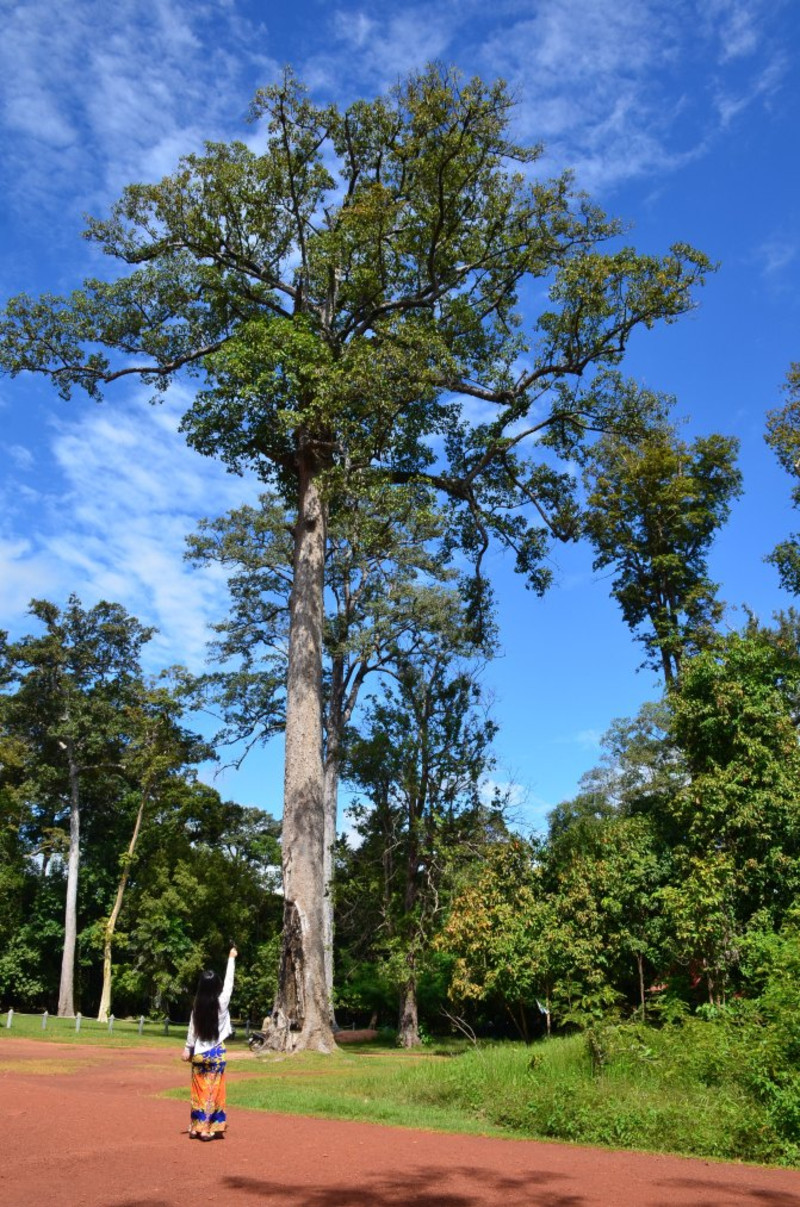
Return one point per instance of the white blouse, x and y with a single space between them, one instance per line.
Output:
225 1029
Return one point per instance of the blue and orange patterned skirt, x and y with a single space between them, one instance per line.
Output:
208 1093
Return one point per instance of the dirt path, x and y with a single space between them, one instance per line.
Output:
82 1128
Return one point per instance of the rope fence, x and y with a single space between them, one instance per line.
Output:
142 1028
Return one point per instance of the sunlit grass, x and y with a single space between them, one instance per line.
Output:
124 1033
674 1090
654 1097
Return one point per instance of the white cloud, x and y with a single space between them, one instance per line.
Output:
132 491
606 86
22 457
589 739
96 95
776 254
735 23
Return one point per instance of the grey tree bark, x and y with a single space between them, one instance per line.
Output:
110 927
66 992
301 1014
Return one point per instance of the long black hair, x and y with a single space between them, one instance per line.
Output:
205 1011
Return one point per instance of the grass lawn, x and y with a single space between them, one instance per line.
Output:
659 1096
125 1032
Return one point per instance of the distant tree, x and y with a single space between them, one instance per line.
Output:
502 936
655 504
157 748
738 817
343 322
420 759
783 437
67 690
207 873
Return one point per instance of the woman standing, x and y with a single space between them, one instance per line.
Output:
209 1027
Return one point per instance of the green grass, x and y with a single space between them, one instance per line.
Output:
125 1032
680 1090
664 1093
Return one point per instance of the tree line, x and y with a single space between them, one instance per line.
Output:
356 298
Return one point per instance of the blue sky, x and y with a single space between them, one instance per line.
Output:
680 117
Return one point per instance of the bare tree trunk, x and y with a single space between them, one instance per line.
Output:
301 1015
66 992
340 710
408 1023
108 934
640 965
331 792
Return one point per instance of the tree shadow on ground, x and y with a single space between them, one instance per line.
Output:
712 1194
144 1203
420 1188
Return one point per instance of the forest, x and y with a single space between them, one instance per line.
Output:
341 328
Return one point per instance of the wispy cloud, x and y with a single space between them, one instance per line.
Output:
611 89
379 46
737 26
606 86
129 492
95 95
776 254
20 456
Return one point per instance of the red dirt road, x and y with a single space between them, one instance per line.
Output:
82 1128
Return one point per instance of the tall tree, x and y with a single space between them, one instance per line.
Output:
343 326
385 559
654 506
783 437
66 697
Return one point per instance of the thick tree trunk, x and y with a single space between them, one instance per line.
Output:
110 927
331 797
66 993
301 1015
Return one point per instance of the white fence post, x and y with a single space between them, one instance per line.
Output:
44 1021
10 1018
110 1023
141 1024
78 1021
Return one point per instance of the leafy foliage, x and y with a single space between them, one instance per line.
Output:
654 506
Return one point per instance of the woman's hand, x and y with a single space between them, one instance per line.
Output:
232 954
186 1054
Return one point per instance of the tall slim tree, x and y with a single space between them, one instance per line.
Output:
66 697
385 560
783 437
157 749
347 329
655 504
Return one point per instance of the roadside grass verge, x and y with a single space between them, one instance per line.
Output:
695 1089
658 1091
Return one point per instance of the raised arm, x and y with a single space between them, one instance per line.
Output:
227 985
